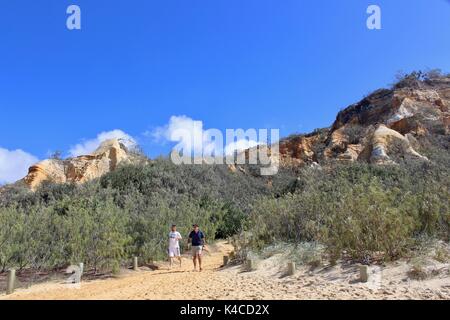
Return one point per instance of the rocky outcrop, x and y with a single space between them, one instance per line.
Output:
385 140
386 125
106 158
299 150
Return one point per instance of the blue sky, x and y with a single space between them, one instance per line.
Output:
290 64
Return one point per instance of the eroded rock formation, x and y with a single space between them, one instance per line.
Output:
106 158
387 124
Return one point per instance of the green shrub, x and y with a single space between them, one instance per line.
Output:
364 210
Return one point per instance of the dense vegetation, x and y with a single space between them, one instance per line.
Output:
359 208
125 213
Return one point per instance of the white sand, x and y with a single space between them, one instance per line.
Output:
267 282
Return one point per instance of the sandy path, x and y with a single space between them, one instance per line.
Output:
231 283
178 283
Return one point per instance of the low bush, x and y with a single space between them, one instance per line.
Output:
362 210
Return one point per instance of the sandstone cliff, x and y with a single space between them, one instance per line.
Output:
106 158
387 125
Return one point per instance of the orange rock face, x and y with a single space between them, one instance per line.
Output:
298 150
378 128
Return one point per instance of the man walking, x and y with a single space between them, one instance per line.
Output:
197 240
174 245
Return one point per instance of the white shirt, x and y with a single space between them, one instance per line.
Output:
174 238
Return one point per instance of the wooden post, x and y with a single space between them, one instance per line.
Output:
75 272
11 281
226 259
291 268
364 273
135 264
81 268
250 265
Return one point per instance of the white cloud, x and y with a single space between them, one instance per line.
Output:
89 146
14 165
193 138
187 132
240 145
